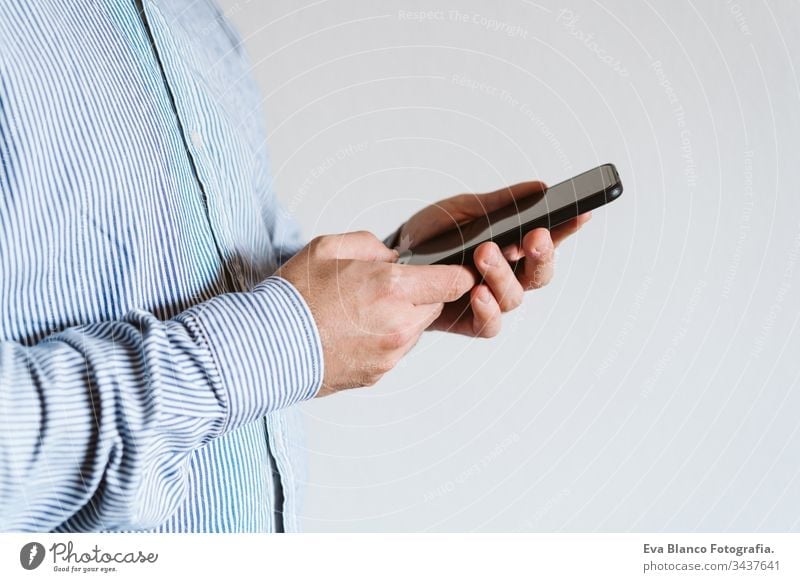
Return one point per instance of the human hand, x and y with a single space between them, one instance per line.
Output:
500 289
369 310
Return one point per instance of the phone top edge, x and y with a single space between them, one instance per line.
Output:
611 190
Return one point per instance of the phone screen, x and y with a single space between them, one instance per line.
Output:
517 216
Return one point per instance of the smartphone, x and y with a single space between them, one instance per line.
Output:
509 224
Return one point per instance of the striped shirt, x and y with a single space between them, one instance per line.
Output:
149 359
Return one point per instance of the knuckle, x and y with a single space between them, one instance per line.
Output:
367 236
371 379
391 282
396 340
535 283
513 301
457 285
386 365
455 290
322 246
547 254
540 277
486 330
490 331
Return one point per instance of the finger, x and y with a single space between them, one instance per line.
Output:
426 314
361 245
539 254
449 213
424 284
563 231
499 277
479 204
456 317
422 318
514 252
410 319
486 313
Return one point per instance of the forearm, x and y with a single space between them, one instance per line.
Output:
98 422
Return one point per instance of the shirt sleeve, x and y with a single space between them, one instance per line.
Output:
287 237
97 422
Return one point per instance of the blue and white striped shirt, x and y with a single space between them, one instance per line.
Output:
148 359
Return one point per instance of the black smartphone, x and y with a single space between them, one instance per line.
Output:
509 224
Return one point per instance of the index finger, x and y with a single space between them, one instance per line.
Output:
427 284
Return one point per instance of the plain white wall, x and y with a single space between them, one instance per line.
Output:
654 384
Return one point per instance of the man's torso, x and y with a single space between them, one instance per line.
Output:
122 188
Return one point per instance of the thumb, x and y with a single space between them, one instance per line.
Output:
361 246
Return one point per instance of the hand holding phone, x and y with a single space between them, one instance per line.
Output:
509 224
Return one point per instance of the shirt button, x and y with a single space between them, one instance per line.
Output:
197 139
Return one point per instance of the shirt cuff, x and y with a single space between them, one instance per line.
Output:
266 348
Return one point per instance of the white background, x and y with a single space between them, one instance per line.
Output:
653 386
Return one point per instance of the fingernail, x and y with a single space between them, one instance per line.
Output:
493 258
484 296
